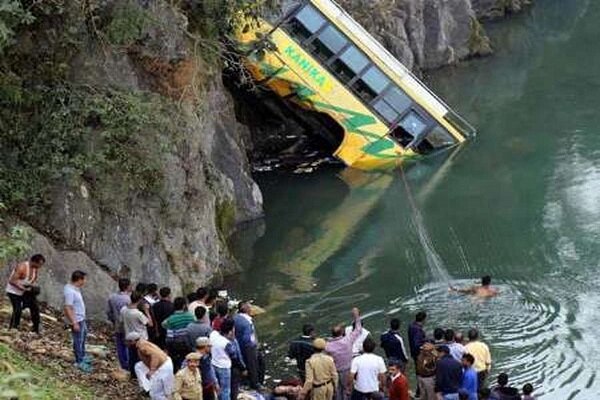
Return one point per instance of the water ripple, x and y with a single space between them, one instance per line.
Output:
529 331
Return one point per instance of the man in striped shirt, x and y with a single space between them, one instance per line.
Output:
177 343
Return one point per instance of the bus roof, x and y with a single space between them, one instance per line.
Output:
373 47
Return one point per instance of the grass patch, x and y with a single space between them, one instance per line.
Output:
23 379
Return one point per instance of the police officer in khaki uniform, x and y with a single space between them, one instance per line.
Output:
188 381
321 375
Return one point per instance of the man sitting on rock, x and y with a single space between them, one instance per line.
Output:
155 370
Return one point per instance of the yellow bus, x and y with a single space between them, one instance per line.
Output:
316 56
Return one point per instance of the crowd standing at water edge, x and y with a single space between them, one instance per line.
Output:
205 346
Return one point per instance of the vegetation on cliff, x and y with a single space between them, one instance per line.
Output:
21 379
109 116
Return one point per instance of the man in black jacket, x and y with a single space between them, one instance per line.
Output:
161 310
448 376
417 337
393 344
302 348
503 391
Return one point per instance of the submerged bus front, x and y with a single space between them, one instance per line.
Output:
318 57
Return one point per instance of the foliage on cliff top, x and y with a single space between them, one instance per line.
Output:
127 24
53 130
12 14
61 132
14 240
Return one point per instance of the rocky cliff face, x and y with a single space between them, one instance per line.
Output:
157 201
491 9
423 34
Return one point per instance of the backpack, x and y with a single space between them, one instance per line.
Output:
427 361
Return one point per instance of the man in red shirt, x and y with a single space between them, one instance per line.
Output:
398 389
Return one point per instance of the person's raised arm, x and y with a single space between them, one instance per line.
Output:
148 321
357 326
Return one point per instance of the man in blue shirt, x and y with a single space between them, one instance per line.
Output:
245 333
116 302
448 376
469 381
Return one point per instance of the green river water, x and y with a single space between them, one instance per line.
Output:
521 202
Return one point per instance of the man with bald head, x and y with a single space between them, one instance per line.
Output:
154 371
340 348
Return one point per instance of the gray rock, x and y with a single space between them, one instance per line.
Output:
423 34
491 9
57 271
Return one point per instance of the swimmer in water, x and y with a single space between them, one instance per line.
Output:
484 290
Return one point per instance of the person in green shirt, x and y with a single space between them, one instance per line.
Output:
176 341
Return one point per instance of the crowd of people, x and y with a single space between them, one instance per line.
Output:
193 347
203 347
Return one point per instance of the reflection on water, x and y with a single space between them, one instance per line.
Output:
520 203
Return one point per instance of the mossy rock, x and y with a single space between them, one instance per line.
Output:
479 42
225 217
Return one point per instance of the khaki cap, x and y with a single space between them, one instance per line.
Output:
193 357
319 344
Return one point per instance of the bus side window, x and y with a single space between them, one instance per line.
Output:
410 129
439 137
387 112
392 104
370 84
305 23
327 44
349 64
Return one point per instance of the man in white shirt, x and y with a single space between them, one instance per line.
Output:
368 373
134 321
457 350
221 361
357 346
204 298
74 310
